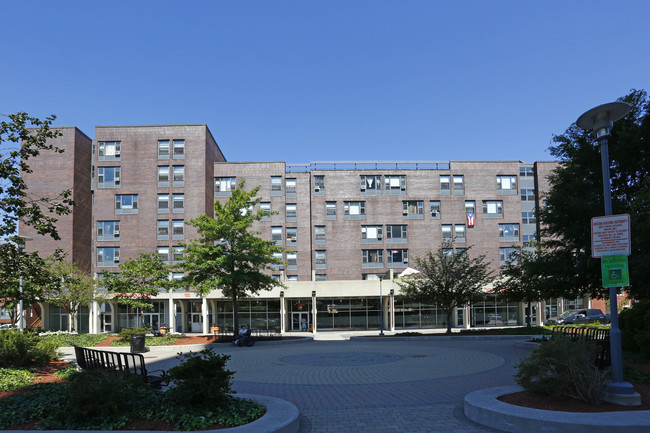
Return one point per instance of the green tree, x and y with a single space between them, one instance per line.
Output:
139 280
576 195
71 289
22 138
15 265
228 254
448 279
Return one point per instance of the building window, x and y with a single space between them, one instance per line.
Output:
223 186
108 256
278 266
459 184
470 206
163 203
164 254
397 258
178 230
321 259
179 149
528 218
178 173
330 210
528 238
276 235
527 195
447 235
507 185
108 230
109 151
321 277
395 184
290 188
319 235
292 261
526 172
162 230
319 185
291 212
266 207
372 258
505 255
292 235
354 210
459 233
163 149
413 209
371 234
435 209
508 232
126 203
177 255
397 233
108 177
179 203
493 209
276 186
370 185
445 187
163 176
292 277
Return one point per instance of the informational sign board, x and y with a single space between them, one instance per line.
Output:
615 271
610 236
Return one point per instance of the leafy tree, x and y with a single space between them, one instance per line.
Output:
22 138
14 264
71 288
228 254
140 279
576 195
448 279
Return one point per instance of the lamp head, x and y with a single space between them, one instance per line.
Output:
602 118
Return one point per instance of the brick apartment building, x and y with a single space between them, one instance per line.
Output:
346 226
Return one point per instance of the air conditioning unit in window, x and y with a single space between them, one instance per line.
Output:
317 189
405 261
116 232
435 213
380 237
405 212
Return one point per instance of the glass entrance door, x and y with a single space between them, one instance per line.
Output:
152 320
300 321
196 322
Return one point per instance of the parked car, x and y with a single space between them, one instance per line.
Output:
583 315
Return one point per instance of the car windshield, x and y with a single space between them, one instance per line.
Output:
568 313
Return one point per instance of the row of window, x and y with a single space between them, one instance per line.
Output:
112 150
376 184
395 233
110 177
128 203
110 256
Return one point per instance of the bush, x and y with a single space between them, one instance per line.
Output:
18 349
563 367
201 380
634 324
125 334
11 379
67 339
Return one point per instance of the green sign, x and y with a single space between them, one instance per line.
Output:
614 270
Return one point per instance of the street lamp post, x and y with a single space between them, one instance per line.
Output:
601 119
381 307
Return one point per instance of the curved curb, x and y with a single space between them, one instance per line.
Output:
281 417
367 339
483 407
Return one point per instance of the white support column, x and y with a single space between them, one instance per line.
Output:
204 315
172 313
313 311
391 306
466 318
282 313
95 322
540 312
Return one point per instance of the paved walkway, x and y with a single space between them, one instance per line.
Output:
382 386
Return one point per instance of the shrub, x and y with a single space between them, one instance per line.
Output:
563 367
634 324
125 334
201 380
11 379
18 349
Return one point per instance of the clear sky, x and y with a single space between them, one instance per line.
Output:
302 81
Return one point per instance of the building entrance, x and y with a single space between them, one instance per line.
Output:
300 321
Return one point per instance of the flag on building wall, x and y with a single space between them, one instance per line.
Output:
470 219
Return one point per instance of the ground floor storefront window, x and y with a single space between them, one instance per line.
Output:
416 315
256 314
348 314
491 311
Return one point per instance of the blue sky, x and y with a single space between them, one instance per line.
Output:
302 81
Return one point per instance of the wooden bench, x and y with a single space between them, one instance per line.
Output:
598 336
121 364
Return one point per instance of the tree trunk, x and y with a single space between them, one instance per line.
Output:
235 311
449 314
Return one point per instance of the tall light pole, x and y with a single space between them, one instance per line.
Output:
601 119
381 307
